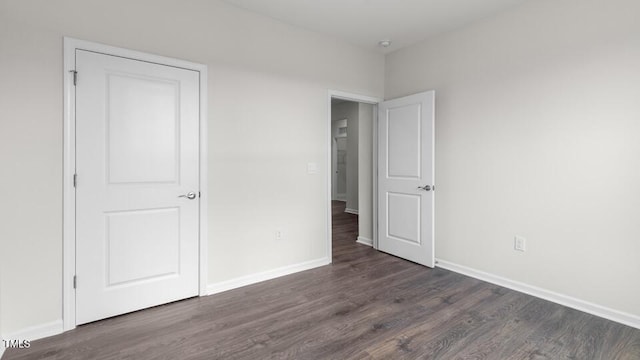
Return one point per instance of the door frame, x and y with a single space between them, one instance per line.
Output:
69 161
337 94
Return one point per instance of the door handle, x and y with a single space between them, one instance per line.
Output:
425 188
191 195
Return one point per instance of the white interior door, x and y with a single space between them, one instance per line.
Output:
405 177
137 130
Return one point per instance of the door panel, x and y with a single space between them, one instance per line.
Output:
137 141
142 141
141 245
404 142
400 226
405 207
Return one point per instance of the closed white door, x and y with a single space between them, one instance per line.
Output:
136 153
406 177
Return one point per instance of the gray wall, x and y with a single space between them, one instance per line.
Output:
537 128
268 86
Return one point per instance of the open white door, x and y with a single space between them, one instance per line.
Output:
137 195
405 177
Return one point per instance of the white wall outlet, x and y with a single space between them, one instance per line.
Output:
278 235
519 243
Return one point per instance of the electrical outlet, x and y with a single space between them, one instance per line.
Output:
278 235
519 243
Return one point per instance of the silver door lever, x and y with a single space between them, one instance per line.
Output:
191 195
425 188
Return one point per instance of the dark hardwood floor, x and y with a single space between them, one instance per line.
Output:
366 305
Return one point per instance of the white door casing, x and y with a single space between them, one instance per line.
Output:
137 149
406 177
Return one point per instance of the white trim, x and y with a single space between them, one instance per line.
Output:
374 174
364 241
204 182
343 95
69 194
36 332
351 211
69 251
329 138
585 306
332 169
265 275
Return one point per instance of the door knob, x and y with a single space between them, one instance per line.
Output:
425 188
191 195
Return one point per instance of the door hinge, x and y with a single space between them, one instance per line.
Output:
75 281
75 180
75 77
199 194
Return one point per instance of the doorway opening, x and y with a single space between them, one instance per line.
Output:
394 201
353 160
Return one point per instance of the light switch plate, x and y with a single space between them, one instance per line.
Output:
312 168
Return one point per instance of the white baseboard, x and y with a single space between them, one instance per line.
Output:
364 241
265 275
32 333
36 332
585 306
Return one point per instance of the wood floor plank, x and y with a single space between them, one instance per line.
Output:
365 305
508 335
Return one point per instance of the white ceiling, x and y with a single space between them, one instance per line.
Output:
366 22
